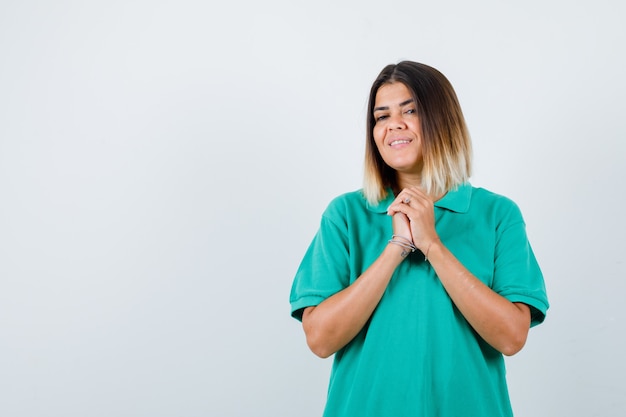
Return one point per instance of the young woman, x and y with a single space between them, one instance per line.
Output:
419 282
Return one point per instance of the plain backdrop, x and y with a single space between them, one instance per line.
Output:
164 166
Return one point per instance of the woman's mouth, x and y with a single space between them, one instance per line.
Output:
399 142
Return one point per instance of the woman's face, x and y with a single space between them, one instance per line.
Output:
397 130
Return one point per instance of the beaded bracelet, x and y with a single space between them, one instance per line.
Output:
405 243
402 238
408 245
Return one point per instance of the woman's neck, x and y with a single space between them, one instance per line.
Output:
409 180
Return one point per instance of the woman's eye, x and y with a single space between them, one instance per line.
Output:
381 117
410 111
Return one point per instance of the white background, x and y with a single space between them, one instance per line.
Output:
164 165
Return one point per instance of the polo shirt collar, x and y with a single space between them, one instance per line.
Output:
457 200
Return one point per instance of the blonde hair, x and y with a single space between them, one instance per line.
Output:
446 143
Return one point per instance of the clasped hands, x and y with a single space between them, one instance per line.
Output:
414 217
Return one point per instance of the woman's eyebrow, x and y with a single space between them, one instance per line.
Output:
404 103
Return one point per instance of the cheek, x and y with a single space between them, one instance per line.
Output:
417 128
378 135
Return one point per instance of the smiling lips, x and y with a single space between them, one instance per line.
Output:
399 142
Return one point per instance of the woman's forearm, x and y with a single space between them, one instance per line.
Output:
338 319
501 323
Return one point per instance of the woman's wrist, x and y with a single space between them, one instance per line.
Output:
397 252
432 248
405 243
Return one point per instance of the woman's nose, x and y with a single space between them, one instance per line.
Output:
396 122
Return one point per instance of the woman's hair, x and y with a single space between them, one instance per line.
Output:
446 144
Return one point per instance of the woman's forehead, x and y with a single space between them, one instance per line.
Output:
393 94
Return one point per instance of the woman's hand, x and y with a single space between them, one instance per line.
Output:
402 226
413 204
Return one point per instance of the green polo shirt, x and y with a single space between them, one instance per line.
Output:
418 356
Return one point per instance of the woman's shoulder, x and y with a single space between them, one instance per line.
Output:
488 196
344 209
350 196
345 202
490 201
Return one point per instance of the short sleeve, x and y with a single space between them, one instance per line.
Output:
517 275
324 270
